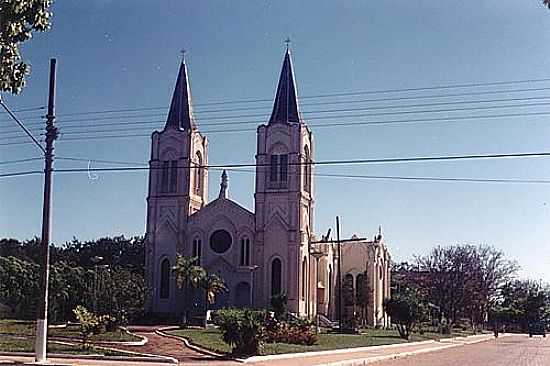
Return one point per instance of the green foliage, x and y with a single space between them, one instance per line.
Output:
115 287
212 284
405 312
521 303
279 306
188 275
18 286
460 281
298 331
19 19
91 323
242 330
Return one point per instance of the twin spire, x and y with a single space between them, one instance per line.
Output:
180 115
285 107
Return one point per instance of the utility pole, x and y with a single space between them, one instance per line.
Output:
42 308
339 274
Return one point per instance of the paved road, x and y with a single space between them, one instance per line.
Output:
517 350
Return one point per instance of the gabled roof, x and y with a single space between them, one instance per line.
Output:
285 108
180 115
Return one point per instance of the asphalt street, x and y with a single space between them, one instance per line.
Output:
515 350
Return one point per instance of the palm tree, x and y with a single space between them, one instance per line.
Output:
212 284
188 275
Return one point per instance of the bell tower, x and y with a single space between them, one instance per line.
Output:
284 199
177 189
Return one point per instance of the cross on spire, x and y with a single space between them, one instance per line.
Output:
288 42
183 51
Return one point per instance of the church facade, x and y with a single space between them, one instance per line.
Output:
259 254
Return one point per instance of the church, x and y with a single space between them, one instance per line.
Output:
261 253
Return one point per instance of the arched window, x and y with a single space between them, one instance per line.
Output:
245 252
278 171
361 289
348 291
307 170
330 286
198 173
276 272
165 279
197 250
304 279
169 176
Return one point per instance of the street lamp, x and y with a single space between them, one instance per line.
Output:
252 269
96 259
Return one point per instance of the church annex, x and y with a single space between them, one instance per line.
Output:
258 254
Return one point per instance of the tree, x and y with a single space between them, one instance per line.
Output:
20 18
463 281
18 285
528 300
405 312
243 330
188 275
212 285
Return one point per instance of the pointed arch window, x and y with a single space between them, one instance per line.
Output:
165 279
197 249
169 176
278 171
307 170
304 279
276 272
198 174
245 252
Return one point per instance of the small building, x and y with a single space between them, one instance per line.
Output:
259 253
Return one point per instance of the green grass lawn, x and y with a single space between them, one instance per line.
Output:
15 344
211 339
26 328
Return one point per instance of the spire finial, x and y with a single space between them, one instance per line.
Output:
183 51
379 236
223 185
288 42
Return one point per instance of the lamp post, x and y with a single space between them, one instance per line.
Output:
252 269
96 259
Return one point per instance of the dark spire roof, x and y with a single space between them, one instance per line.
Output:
181 111
285 108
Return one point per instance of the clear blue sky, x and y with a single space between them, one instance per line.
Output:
125 54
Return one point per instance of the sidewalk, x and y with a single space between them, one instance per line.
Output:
364 355
341 357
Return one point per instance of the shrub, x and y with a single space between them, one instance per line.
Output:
298 331
405 311
91 323
279 306
243 330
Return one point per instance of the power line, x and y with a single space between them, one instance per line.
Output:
22 125
319 125
335 162
436 104
452 86
19 161
19 174
361 177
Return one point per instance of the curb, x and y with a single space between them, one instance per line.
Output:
329 352
367 360
144 358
